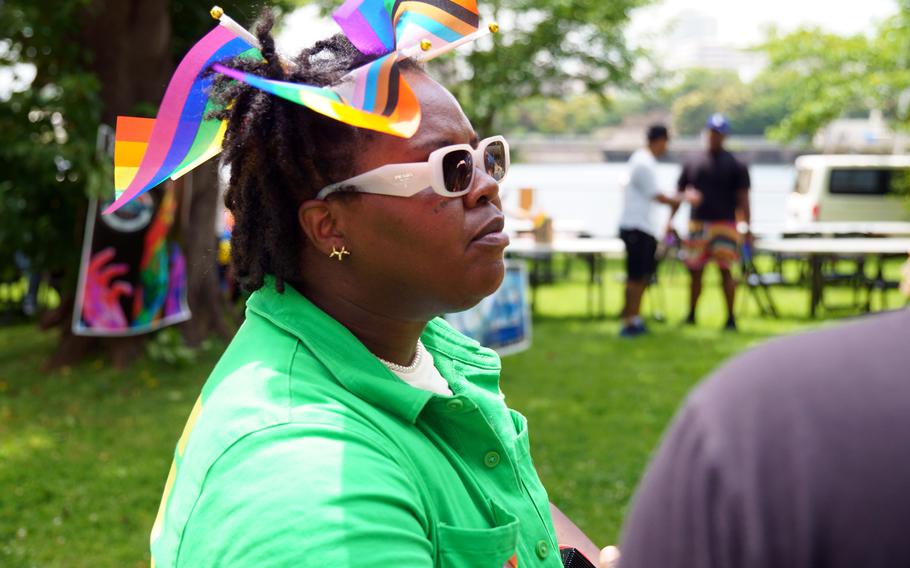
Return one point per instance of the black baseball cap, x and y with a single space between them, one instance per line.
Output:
657 131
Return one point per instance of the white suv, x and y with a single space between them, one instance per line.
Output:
850 188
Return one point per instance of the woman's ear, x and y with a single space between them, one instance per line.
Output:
320 225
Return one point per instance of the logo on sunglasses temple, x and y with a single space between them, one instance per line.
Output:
403 179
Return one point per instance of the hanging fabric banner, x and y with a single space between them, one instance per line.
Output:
132 277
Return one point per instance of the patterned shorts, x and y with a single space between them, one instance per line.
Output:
718 240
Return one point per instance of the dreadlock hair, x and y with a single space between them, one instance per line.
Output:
281 153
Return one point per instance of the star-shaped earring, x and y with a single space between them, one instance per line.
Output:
339 253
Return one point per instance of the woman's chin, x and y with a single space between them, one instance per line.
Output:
479 285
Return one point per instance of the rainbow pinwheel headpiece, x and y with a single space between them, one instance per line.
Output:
379 27
374 96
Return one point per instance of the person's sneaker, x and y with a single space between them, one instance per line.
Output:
633 330
629 331
730 325
29 306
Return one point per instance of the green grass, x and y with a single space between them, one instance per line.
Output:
597 404
84 451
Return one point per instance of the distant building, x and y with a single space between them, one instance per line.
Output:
718 57
849 135
691 27
693 43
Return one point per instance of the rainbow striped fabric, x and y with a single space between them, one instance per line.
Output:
439 21
148 151
377 27
376 96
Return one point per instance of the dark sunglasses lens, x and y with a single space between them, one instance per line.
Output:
457 170
494 158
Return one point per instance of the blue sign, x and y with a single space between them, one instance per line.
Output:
501 321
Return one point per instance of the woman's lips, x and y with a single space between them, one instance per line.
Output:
491 234
497 239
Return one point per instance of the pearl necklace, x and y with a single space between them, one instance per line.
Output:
418 357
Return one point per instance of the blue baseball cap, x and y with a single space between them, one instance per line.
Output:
718 123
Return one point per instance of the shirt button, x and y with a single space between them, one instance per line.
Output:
491 459
543 549
455 404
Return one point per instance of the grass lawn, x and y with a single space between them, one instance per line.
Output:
84 452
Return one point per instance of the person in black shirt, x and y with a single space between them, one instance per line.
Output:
723 182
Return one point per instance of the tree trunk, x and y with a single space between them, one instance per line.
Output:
207 304
130 43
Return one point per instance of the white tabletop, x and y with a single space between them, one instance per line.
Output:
609 247
569 226
834 246
884 228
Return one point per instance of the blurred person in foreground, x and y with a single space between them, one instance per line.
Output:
714 234
347 425
794 455
636 224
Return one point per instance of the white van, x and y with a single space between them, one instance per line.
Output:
849 188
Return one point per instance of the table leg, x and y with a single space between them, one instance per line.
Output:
878 283
592 270
597 307
816 283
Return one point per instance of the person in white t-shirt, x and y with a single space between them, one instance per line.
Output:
636 225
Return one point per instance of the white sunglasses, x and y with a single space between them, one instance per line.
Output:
449 171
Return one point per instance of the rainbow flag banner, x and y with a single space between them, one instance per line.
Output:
130 142
380 26
148 151
440 23
375 95
368 24
380 99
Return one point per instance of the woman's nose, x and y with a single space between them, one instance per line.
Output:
483 189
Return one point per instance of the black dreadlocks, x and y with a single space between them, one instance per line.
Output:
281 153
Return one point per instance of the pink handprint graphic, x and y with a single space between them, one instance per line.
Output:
101 307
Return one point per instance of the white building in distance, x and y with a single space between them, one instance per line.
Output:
692 42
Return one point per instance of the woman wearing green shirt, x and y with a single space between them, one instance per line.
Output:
346 424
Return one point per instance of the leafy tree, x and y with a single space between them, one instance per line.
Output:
768 104
826 76
702 92
546 48
47 160
580 114
751 108
92 60
584 114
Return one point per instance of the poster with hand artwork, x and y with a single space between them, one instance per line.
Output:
132 277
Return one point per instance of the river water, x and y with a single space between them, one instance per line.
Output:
590 195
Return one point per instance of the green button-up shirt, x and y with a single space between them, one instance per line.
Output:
304 450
